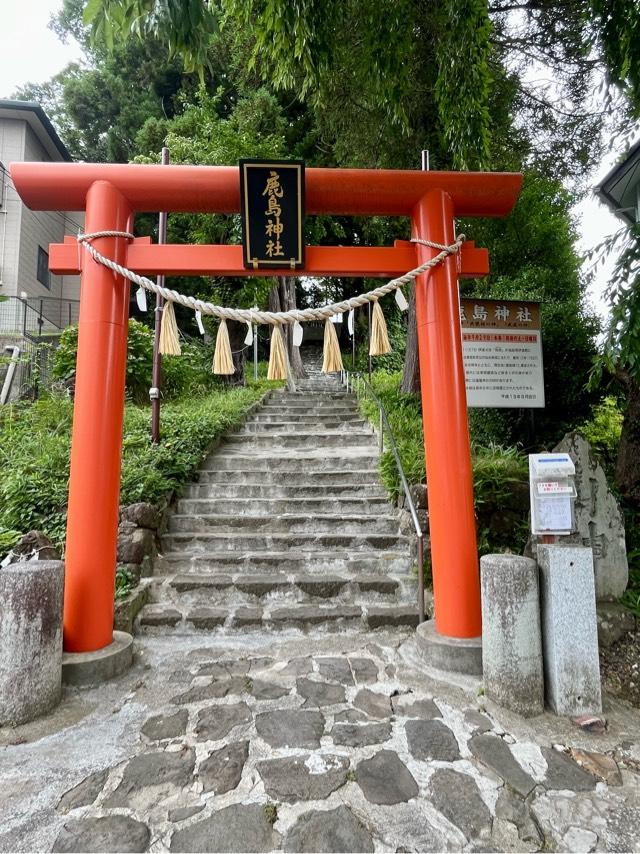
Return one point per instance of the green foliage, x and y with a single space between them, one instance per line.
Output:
533 257
631 596
185 25
190 372
619 22
497 470
34 466
35 445
621 352
8 539
405 420
125 582
603 430
99 105
397 330
188 427
463 83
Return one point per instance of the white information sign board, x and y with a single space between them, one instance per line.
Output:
502 352
552 490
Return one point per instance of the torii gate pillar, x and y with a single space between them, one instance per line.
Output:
94 482
456 582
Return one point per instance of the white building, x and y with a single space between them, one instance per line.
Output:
37 300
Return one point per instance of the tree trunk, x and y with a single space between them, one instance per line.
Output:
628 460
237 334
282 297
411 374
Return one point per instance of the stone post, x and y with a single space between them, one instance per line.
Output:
511 641
569 629
30 639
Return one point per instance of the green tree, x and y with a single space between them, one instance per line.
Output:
533 257
619 363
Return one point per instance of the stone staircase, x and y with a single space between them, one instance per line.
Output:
287 527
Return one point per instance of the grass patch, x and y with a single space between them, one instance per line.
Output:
125 582
35 442
271 813
497 471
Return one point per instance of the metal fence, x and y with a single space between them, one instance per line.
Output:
33 326
32 371
36 318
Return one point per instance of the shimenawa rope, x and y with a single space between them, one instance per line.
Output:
272 317
278 361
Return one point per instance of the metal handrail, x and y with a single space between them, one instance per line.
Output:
347 379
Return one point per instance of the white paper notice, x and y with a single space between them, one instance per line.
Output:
503 367
554 513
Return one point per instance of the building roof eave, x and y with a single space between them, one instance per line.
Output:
40 124
619 188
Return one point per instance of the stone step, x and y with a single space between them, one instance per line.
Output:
335 413
213 562
312 396
239 489
240 541
265 417
286 523
327 427
277 441
312 404
160 618
286 588
240 502
313 468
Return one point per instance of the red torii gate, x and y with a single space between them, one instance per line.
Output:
111 194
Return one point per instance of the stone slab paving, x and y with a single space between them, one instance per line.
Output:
330 743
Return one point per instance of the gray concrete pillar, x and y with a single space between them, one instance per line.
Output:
30 639
511 642
569 629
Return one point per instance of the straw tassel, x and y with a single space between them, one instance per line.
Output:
379 336
222 358
169 342
277 356
332 361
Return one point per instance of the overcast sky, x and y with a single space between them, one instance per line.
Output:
31 52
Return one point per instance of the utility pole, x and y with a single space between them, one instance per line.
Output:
156 375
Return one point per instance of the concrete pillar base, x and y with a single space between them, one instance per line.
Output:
30 639
453 655
511 639
92 668
569 630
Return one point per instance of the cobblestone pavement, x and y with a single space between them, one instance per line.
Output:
340 743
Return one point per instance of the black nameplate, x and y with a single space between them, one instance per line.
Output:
272 205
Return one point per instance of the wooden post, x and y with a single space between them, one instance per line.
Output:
156 373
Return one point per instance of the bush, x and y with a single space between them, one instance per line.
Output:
35 443
498 472
190 372
603 430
